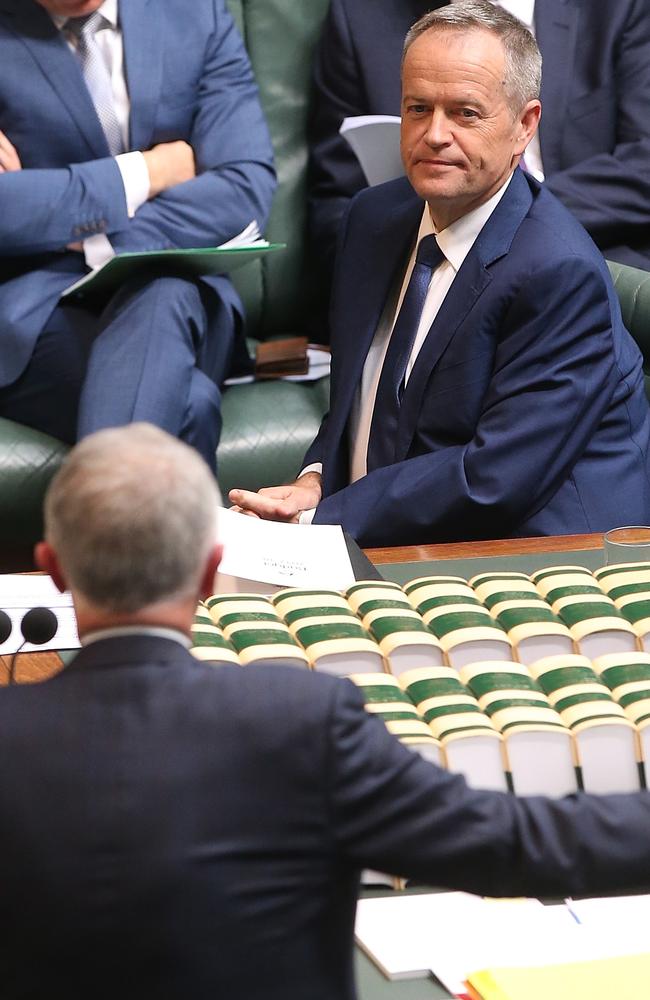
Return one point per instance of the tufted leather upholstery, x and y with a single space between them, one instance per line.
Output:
633 289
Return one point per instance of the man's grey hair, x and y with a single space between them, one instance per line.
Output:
523 60
131 515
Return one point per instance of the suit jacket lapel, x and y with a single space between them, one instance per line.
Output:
143 64
556 24
387 248
59 67
493 242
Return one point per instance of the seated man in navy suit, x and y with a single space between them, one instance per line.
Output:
171 828
125 125
483 383
594 139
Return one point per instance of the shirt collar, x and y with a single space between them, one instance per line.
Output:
108 9
119 631
457 240
523 9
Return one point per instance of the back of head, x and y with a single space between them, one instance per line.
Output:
132 517
523 60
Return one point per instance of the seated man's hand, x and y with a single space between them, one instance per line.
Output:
169 164
9 159
280 503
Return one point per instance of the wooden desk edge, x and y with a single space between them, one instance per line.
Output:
491 547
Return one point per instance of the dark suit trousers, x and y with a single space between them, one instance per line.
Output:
156 351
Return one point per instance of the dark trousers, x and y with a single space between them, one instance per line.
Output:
156 351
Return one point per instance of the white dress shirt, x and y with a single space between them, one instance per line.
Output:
525 11
132 166
121 631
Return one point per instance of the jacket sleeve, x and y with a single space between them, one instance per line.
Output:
395 812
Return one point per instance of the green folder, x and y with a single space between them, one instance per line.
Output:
176 263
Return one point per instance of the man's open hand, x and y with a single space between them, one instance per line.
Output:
9 159
280 503
169 164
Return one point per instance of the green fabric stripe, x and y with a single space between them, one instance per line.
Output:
574 613
441 601
587 588
593 718
579 699
382 602
626 673
433 581
481 578
214 639
630 699
550 725
376 693
482 684
563 677
246 638
310 634
294 616
432 688
284 595
455 620
525 616
462 729
211 602
511 595
442 710
248 616
498 706
607 571
636 611
373 585
382 627
629 588
543 574
397 716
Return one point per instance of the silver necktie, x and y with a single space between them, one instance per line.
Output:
95 71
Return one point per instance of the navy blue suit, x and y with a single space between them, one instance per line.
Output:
170 829
595 128
525 412
155 350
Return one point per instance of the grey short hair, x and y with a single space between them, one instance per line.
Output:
131 515
523 60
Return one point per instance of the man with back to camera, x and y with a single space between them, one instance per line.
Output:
173 829
126 125
593 150
484 387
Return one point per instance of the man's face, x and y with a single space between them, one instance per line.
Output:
460 140
70 8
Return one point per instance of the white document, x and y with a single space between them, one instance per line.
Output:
375 142
455 934
19 592
284 555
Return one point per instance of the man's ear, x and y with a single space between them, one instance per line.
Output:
528 122
46 559
210 571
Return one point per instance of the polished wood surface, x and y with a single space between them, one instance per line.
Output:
492 547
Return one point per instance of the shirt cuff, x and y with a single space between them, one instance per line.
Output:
135 178
97 251
306 516
314 467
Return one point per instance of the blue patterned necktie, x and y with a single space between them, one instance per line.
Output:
82 30
383 429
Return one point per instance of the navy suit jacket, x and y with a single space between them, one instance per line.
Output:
174 830
595 128
525 412
188 78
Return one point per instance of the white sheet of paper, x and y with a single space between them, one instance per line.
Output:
285 555
375 142
18 593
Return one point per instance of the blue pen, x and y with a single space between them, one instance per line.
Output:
568 902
